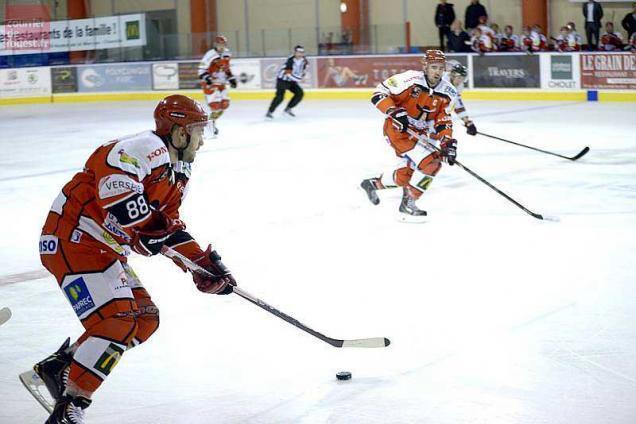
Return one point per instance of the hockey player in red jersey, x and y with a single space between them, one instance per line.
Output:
420 101
126 198
215 73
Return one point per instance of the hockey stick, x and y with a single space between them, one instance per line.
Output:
5 315
367 343
573 158
430 146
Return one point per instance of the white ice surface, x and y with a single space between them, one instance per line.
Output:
494 316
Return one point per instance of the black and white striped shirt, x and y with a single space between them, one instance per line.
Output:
293 69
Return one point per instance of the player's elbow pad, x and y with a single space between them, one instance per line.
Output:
179 238
441 128
377 97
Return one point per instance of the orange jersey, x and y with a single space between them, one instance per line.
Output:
428 108
217 66
113 195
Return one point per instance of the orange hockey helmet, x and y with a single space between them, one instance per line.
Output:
434 56
178 110
220 39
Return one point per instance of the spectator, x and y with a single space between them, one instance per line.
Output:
593 13
526 39
578 40
480 42
509 42
567 40
561 40
539 41
629 22
497 37
458 39
444 17
474 11
611 40
487 31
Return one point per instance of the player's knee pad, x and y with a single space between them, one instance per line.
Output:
216 105
100 352
430 165
147 317
420 181
225 103
402 176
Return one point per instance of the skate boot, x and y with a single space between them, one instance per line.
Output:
54 370
269 115
215 130
69 410
289 112
408 207
370 186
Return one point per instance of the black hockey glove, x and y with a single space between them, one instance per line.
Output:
471 129
400 119
207 78
221 280
232 81
149 240
448 146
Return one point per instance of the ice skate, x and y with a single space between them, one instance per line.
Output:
215 130
409 212
289 112
54 369
69 410
370 186
269 116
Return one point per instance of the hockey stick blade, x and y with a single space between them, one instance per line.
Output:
551 218
581 154
373 342
5 315
364 343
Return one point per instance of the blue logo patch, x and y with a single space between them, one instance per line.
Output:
80 298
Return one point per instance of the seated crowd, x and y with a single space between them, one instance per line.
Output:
487 38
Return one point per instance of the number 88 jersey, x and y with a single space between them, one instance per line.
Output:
121 183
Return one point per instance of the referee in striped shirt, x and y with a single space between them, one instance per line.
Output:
289 75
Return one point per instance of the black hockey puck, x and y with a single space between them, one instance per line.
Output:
343 375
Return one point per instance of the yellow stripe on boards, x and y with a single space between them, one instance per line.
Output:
24 100
622 96
321 94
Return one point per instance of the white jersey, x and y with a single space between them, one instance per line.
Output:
458 104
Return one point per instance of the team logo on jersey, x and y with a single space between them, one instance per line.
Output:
157 152
48 245
125 158
111 224
79 296
110 241
109 359
392 82
114 185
